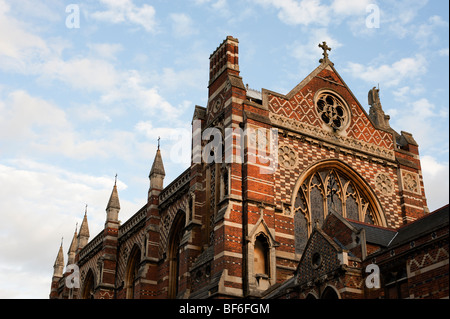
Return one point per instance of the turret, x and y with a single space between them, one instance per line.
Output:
108 259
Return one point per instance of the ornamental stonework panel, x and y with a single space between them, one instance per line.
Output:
287 156
410 182
384 184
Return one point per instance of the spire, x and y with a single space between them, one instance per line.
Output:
158 166
83 235
157 172
113 207
73 248
59 263
114 198
84 229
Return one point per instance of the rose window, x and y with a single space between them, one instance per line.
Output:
332 111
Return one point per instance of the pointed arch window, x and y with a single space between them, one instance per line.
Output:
88 287
261 256
132 272
174 253
331 186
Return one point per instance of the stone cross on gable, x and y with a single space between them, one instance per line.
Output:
325 48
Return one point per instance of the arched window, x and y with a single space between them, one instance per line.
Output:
331 186
329 293
174 253
132 272
261 256
88 287
310 296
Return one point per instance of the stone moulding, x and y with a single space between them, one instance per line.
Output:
173 187
344 141
92 247
127 228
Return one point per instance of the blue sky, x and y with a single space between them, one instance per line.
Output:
78 105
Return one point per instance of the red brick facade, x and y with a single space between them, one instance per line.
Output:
243 224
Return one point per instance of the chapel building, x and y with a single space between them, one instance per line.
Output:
287 196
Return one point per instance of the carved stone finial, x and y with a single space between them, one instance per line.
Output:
374 96
325 48
376 113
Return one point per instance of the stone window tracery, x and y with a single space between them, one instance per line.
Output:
332 110
325 190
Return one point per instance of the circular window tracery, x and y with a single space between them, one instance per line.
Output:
332 111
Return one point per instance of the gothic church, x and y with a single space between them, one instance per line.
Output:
315 192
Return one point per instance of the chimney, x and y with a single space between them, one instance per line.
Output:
224 58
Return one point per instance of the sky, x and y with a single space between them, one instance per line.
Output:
86 88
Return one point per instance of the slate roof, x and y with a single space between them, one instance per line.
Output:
421 226
391 237
375 234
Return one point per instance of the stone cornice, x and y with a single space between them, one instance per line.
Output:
342 141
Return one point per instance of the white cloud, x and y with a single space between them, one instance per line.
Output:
307 52
135 88
401 94
31 125
426 121
23 114
444 52
313 12
350 7
182 25
399 15
90 112
16 44
303 12
106 50
81 73
425 34
390 75
435 176
121 11
54 203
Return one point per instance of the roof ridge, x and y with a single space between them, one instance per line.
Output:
371 225
425 216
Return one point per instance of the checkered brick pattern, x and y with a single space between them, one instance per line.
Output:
301 108
309 153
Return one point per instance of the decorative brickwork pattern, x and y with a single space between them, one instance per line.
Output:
310 151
